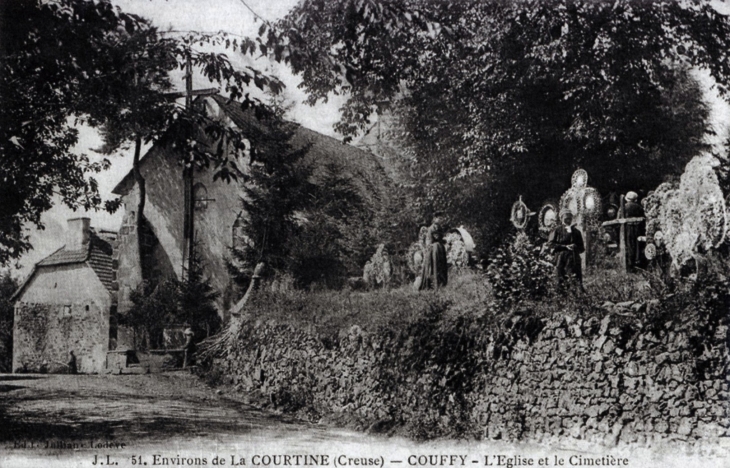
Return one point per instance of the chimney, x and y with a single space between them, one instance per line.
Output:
77 235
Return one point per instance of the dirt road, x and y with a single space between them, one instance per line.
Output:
175 420
138 408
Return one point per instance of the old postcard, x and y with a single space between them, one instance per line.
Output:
364 233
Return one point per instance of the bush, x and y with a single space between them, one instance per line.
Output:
171 302
517 272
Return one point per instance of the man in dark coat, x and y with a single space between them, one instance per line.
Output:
632 209
566 242
434 273
72 367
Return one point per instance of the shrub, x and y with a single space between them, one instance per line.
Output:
169 302
517 272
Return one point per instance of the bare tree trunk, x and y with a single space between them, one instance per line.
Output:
139 179
140 182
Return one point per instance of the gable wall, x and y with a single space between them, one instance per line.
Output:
63 308
164 207
164 210
214 230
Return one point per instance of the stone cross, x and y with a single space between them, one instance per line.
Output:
622 222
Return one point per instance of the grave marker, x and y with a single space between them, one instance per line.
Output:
585 204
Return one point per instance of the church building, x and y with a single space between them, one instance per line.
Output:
71 300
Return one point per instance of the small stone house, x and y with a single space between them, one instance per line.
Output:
68 303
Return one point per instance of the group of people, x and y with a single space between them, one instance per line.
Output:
565 242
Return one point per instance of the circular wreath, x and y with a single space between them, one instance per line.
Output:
650 251
592 205
520 214
423 235
414 257
572 201
579 179
456 253
547 218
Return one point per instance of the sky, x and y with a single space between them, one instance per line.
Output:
234 17
181 15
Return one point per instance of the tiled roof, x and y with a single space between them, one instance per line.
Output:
322 149
97 254
100 260
65 257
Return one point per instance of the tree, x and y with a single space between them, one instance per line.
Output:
197 300
155 307
490 94
336 237
8 286
277 191
81 61
168 302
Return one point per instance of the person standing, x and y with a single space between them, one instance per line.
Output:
72 367
434 273
566 243
632 209
189 348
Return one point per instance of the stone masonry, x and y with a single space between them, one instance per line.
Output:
608 381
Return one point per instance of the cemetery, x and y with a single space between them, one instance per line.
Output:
518 232
500 353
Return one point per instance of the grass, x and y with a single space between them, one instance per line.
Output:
468 296
331 311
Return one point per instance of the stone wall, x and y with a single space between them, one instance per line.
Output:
214 219
609 381
63 309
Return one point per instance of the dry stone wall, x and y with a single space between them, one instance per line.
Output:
610 381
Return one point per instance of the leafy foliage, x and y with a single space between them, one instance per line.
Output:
197 301
487 94
517 272
155 307
7 287
277 191
334 239
314 221
171 302
65 62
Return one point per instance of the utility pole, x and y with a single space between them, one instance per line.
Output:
189 167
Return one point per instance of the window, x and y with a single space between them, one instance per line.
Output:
200 194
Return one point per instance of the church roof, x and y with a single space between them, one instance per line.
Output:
322 148
97 254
